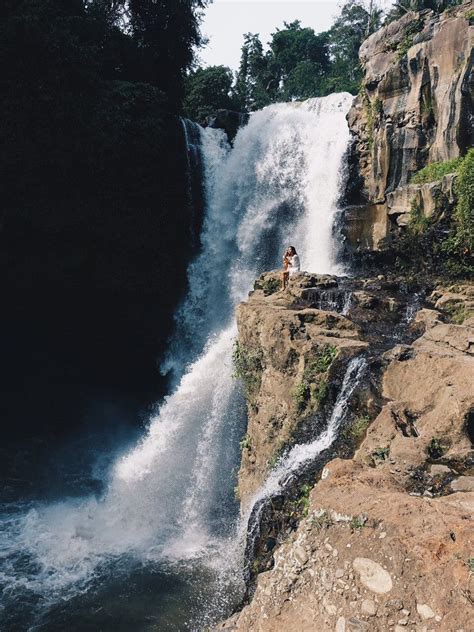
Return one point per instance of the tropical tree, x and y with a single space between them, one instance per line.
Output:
207 90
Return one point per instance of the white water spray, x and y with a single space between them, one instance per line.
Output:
302 454
166 498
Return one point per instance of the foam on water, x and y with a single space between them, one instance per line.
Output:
170 496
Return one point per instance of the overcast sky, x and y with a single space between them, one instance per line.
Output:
226 21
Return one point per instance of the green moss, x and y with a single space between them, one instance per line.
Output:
321 392
302 395
245 443
321 521
458 313
436 449
248 367
357 523
381 454
373 110
417 222
320 364
313 387
435 171
415 27
303 501
464 213
270 286
358 428
470 564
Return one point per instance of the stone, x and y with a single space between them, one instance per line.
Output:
301 555
339 573
436 470
372 575
340 625
463 484
368 607
393 125
424 611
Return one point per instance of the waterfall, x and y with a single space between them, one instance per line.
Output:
301 454
171 496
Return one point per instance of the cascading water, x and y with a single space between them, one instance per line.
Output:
300 455
169 501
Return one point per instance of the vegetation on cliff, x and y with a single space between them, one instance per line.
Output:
92 163
298 64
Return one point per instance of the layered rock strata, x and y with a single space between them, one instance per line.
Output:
386 540
415 108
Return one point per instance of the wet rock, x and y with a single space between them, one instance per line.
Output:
372 575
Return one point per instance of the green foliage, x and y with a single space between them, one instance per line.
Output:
458 312
301 63
303 499
436 449
417 223
245 443
381 454
405 46
464 213
373 110
208 90
470 564
357 523
248 367
321 392
270 286
358 428
350 29
401 7
302 396
321 520
436 171
321 362
313 386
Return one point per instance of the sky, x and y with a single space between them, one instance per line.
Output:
226 21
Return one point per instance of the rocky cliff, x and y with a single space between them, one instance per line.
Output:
380 535
414 108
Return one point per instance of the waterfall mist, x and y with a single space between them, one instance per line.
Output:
169 500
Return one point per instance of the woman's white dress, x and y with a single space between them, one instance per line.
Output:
294 265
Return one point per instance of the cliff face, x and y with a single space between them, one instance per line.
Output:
385 539
415 108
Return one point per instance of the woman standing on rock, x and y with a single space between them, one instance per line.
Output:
291 265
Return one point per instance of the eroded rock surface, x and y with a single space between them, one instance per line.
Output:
387 540
415 109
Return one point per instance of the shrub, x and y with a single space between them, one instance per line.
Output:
320 364
358 427
381 454
302 395
436 448
417 222
464 212
435 171
248 367
270 286
245 443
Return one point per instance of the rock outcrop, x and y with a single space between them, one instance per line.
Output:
385 540
415 108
